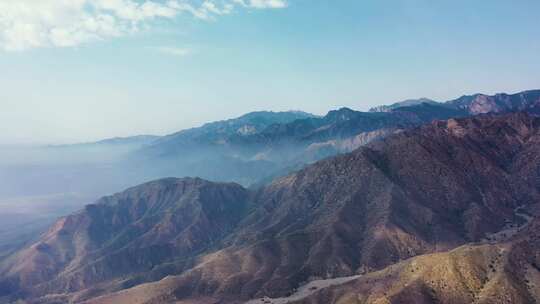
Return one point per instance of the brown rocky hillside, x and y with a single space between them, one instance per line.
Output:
422 192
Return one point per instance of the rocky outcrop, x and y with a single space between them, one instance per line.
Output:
528 101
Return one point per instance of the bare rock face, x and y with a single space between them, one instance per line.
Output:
528 101
423 191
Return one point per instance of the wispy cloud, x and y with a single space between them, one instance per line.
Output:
26 24
174 51
262 3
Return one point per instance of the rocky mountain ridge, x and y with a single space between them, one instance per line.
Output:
253 148
419 191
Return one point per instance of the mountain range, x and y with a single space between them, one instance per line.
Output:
419 202
226 151
232 150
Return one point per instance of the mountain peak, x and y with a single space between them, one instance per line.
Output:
131 231
341 114
404 103
498 103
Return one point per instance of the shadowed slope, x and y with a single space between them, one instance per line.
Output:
127 233
507 272
421 191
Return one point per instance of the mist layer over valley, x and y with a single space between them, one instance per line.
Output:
41 183
269 151
458 182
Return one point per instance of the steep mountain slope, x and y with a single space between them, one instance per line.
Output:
506 272
528 101
251 149
81 173
136 231
421 191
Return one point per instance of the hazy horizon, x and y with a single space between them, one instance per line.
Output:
38 144
88 70
269 151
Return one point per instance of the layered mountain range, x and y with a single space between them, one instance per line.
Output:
277 143
250 149
434 211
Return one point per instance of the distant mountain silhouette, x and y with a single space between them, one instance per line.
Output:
405 103
240 149
528 101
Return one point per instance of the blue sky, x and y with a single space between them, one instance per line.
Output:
73 74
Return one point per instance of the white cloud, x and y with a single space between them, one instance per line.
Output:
26 24
262 3
175 51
